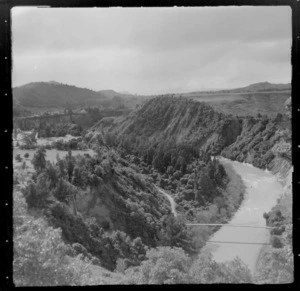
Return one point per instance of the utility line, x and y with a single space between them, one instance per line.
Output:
241 243
226 224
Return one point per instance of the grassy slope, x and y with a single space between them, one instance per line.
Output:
242 104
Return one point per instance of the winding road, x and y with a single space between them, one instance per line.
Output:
170 198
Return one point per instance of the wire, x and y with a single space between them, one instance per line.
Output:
241 243
225 224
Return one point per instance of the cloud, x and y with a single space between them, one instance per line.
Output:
152 49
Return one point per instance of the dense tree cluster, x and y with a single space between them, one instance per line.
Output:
58 129
29 141
138 209
165 265
260 141
41 258
276 263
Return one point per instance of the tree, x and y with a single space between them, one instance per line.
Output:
276 242
78 177
26 155
37 194
61 166
29 141
205 187
40 255
206 271
164 265
70 164
18 158
63 190
52 174
175 234
39 160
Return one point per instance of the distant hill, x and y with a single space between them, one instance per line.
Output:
263 86
52 94
264 98
125 93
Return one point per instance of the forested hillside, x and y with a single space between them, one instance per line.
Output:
168 120
117 220
48 95
164 122
120 213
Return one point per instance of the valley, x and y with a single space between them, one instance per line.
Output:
150 145
124 187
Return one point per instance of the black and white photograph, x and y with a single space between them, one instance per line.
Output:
152 145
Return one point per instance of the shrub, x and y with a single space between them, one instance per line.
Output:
278 230
18 158
276 242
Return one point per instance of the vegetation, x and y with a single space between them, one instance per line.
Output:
41 258
90 212
118 187
165 265
29 142
276 262
58 129
261 140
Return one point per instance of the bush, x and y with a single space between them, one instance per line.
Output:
26 155
278 230
40 255
18 158
276 242
164 265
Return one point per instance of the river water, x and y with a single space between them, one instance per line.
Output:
262 190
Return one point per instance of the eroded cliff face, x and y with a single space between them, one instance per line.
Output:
224 136
283 170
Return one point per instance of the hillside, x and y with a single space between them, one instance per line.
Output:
169 121
43 94
250 104
173 119
47 95
120 214
263 98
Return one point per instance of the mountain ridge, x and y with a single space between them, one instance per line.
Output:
57 95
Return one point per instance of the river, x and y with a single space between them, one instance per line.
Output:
262 190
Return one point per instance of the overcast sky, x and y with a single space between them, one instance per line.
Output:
152 50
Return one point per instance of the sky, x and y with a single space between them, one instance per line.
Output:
152 50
